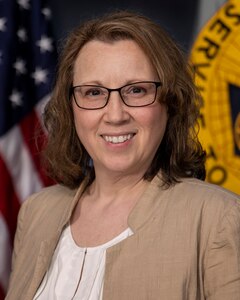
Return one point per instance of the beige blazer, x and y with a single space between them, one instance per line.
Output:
185 246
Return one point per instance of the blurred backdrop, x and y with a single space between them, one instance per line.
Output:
179 17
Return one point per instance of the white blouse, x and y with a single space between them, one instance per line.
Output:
76 272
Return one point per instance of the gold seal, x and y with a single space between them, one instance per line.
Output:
215 56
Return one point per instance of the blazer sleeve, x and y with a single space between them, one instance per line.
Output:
222 267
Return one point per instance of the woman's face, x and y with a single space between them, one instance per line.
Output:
120 139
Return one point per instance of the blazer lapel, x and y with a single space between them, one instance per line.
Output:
47 247
45 254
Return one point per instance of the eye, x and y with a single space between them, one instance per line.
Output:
136 91
93 92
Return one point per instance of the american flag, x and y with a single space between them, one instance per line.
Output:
27 67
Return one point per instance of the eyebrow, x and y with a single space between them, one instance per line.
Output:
99 83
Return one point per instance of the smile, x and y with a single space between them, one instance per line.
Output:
117 139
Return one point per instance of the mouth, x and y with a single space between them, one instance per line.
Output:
118 139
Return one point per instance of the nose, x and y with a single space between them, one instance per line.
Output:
116 111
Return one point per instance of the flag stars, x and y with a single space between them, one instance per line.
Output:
16 98
22 34
40 75
45 44
3 22
24 4
20 66
47 13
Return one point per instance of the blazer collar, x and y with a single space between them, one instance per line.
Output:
143 210
148 203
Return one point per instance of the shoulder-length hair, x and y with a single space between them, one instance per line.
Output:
179 155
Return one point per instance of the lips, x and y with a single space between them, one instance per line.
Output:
117 139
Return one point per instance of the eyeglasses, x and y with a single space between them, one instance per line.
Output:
135 94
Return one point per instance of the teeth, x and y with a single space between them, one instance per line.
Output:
117 139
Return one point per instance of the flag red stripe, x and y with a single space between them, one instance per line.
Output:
9 208
34 138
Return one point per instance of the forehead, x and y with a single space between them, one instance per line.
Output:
123 57
98 49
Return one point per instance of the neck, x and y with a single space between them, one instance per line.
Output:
114 187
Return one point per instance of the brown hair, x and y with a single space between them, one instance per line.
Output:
179 154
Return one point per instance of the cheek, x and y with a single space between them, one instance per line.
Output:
80 123
86 123
155 119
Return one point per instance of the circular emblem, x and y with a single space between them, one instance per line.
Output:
216 59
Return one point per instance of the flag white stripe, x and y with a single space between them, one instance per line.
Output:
5 254
19 163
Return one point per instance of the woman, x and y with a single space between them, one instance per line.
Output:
132 217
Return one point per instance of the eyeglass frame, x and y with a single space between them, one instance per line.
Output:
71 92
